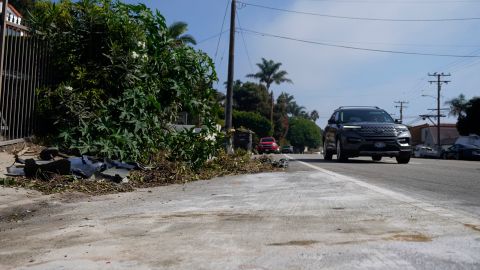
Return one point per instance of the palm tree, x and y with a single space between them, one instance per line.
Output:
458 106
314 115
176 32
270 73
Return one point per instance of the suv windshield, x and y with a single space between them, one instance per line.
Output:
378 116
267 140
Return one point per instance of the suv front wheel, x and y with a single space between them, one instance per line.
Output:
340 153
403 158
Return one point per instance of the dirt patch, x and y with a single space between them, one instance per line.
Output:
338 208
473 227
295 243
415 237
222 216
21 213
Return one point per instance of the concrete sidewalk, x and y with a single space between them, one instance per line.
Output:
299 220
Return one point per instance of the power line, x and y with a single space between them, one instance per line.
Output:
356 48
221 30
212 37
395 1
357 18
245 44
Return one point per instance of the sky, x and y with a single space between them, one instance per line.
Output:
324 77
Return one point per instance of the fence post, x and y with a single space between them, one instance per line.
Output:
3 28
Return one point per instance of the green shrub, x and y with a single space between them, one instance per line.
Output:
119 81
252 121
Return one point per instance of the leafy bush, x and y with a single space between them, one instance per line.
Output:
119 81
253 121
303 132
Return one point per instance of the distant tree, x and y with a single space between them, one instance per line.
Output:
314 115
303 132
251 97
270 73
176 31
252 121
298 111
457 105
470 122
220 97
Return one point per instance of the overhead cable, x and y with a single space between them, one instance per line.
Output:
357 18
245 45
212 37
221 30
355 48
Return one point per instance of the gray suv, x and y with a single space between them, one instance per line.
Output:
365 131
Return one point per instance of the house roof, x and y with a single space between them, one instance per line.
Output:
11 8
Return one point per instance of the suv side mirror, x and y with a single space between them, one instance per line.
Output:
398 121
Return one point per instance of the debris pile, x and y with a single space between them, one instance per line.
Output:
281 163
52 162
52 172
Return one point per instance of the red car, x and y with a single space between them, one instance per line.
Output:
268 145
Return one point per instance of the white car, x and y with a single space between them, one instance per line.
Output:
422 151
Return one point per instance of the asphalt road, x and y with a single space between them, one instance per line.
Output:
451 184
314 215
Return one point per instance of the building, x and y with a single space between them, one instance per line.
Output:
13 15
427 134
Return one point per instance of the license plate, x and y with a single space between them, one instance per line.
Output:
379 145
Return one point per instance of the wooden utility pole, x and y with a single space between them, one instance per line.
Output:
439 83
401 106
231 60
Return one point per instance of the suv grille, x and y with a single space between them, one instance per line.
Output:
377 131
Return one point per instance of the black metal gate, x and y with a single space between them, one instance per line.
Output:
23 62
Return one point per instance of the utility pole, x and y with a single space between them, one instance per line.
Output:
439 83
231 59
401 106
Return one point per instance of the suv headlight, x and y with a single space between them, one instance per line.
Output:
402 131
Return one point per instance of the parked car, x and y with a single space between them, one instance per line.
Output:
287 149
268 145
469 140
365 131
422 151
462 151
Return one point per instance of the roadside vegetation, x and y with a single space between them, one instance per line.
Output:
120 77
257 110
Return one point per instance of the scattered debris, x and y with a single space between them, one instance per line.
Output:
96 176
281 163
81 167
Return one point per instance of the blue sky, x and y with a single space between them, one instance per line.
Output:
325 77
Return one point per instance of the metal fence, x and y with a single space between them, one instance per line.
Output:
23 65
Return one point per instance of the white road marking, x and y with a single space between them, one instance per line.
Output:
457 216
